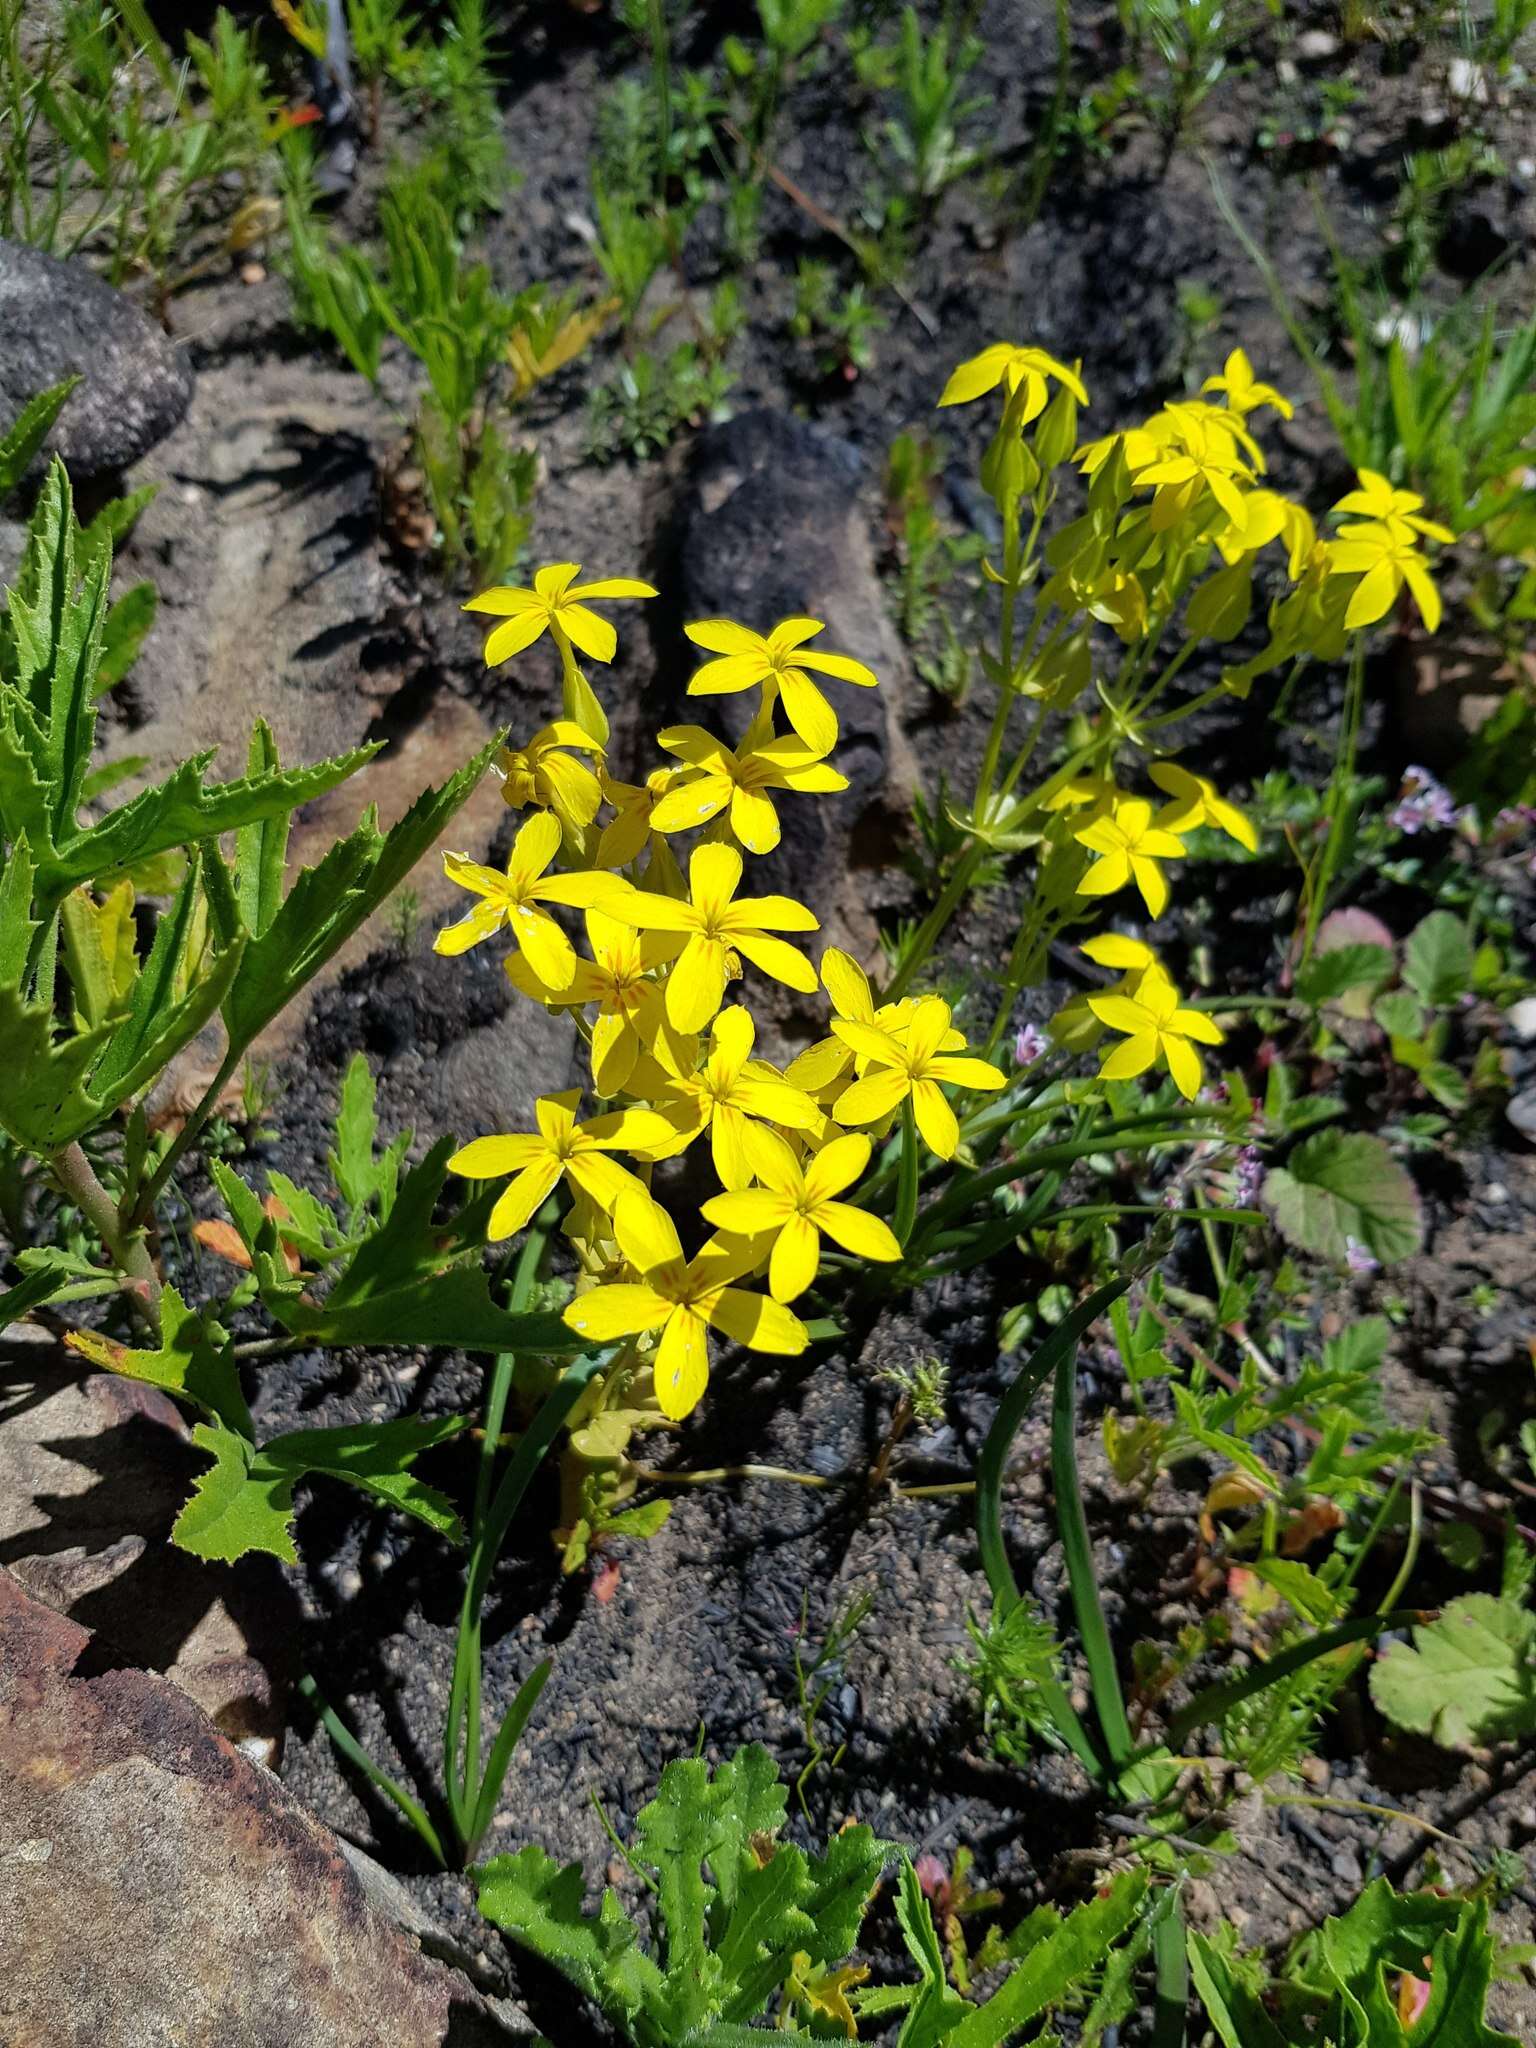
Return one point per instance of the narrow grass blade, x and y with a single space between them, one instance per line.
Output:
1077 1551
496 1764
354 1752
1217 1700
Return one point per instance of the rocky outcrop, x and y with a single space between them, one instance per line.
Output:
158 1887
57 319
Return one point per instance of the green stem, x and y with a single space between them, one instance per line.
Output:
149 1193
1077 1551
990 1467
1340 797
931 930
907 1183
125 1246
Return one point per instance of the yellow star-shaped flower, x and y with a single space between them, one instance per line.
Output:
560 1147
717 927
516 899
1244 392
777 662
1158 1029
1198 802
796 1208
557 604
1129 847
737 780
909 1065
682 1299
1012 365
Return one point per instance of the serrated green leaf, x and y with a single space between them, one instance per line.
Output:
1360 1953
1054 1966
124 630
674 1835
353 1167
1331 975
28 431
241 1201
261 848
376 1458
1469 1677
183 810
232 1510
51 652
1238 2017
44 1100
1437 959
539 1903
937 2006
1341 1187
308 1223
328 903
115 520
17 924
244 1501
188 1363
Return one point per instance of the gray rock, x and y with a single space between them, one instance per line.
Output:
767 525
1522 1113
158 1887
58 318
93 1471
1521 1019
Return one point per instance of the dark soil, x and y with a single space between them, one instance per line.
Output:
695 1633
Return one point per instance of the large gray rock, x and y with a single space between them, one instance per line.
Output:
160 1890
93 1471
767 525
57 318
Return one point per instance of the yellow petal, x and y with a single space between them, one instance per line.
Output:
779 961
760 1324
524 1195
848 985
935 1119
867 1101
681 1370
544 946
589 631
866 1236
796 1256
513 636
621 1311
696 985
490 1158
836 1166
808 710
645 1233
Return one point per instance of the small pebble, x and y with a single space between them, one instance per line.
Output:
253 273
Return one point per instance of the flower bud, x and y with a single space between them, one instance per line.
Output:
1056 435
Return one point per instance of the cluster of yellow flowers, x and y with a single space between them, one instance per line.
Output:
674 1059
1138 564
666 1047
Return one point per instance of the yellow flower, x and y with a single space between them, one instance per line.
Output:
1102 792
1158 1030
1198 802
1129 847
1244 392
739 777
730 1088
797 1207
634 805
1384 556
684 1299
1376 499
516 899
1074 1026
778 662
910 1064
1268 516
821 1066
1207 457
1003 363
541 773
560 1146
717 928
556 604
620 979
